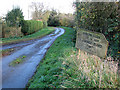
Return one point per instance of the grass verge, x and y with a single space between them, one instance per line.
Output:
6 52
89 71
63 67
50 68
38 34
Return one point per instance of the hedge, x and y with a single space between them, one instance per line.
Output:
31 26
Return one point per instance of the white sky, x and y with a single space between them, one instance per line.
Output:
63 6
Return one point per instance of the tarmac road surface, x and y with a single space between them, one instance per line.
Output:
18 76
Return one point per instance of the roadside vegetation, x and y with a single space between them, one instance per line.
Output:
89 71
31 26
6 52
63 66
36 35
103 17
70 69
17 61
48 71
14 28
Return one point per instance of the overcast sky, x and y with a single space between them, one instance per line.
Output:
63 6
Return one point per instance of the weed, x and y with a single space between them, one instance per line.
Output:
6 52
17 61
23 56
90 71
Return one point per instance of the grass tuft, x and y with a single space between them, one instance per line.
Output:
6 52
89 71
17 61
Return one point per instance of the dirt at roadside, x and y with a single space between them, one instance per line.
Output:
10 51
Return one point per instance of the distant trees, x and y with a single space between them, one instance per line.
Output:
14 17
45 18
53 18
50 18
40 12
66 20
38 9
60 19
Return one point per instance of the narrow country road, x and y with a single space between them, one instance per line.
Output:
18 76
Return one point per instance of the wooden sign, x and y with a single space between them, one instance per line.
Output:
92 42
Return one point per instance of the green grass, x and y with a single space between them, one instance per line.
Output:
51 68
17 61
62 67
38 34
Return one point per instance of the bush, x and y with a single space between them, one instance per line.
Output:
14 17
53 21
101 17
45 24
31 26
9 32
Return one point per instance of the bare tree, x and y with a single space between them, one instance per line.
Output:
39 11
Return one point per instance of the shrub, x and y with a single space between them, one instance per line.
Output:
101 17
14 17
45 24
8 32
31 26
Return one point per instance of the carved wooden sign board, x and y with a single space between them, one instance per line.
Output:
92 42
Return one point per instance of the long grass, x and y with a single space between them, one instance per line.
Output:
89 71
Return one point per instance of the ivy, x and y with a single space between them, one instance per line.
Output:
101 17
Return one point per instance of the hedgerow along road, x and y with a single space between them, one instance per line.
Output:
17 76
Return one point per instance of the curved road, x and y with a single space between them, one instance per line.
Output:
18 76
